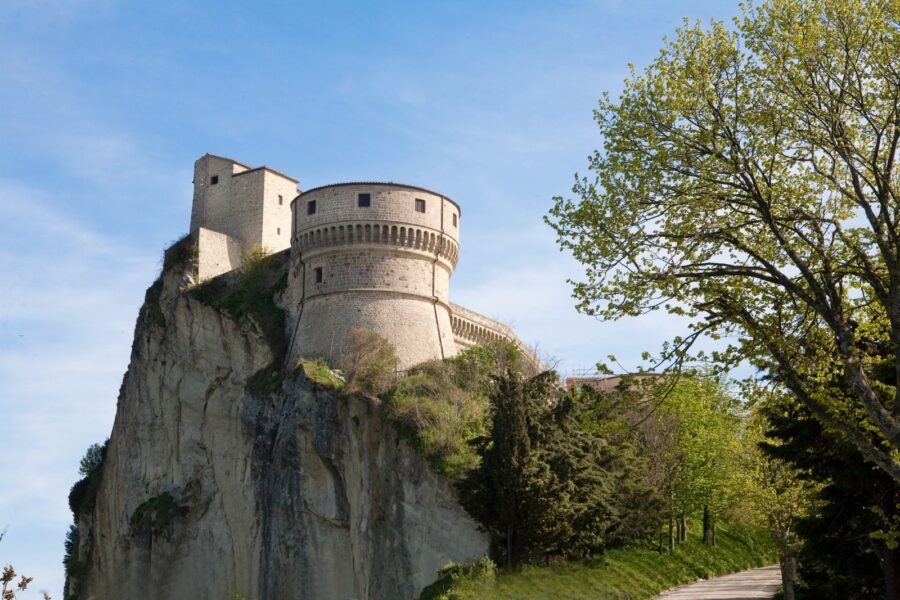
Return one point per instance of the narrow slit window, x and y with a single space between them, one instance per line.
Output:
214 180
318 274
280 200
364 200
278 231
311 207
420 205
454 220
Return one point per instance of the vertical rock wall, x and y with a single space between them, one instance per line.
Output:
210 489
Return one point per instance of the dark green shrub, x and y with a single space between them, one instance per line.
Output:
151 311
83 493
267 380
181 253
156 513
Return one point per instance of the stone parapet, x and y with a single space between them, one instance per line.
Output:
473 329
389 233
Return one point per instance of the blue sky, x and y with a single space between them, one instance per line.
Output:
104 106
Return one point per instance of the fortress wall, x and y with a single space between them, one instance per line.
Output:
338 204
472 329
276 222
217 253
418 329
385 267
243 203
213 206
246 208
365 269
373 235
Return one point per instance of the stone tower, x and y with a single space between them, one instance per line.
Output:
235 208
376 256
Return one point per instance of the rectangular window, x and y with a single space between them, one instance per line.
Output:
318 274
280 200
311 207
454 219
214 180
278 231
364 200
420 205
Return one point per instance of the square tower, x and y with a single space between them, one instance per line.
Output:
235 208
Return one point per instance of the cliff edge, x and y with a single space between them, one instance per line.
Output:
215 486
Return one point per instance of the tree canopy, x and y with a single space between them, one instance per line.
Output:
747 181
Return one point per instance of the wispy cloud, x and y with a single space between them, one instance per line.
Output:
66 316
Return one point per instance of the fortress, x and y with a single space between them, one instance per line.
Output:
375 256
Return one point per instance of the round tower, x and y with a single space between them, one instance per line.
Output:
375 256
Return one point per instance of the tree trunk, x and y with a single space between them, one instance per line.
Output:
888 565
788 575
509 545
709 527
671 532
682 528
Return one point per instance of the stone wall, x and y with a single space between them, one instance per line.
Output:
384 267
418 329
249 205
473 329
338 204
217 253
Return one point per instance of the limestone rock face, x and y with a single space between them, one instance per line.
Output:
211 490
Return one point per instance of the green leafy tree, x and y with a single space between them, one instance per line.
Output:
779 493
693 442
503 492
556 476
841 550
748 182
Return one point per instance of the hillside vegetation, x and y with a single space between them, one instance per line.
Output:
587 494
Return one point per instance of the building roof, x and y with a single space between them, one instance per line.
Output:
237 162
390 183
251 169
270 170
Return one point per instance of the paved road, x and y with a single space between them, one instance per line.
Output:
746 585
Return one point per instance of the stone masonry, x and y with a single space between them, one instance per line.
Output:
376 256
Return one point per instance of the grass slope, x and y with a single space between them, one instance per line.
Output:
632 573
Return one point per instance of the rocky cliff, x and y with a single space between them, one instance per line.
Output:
215 486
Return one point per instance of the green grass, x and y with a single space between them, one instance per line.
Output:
318 371
631 573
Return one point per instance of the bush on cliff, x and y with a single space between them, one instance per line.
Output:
441 405
249 297
82 498
369 363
